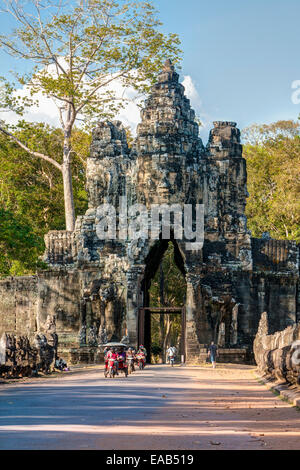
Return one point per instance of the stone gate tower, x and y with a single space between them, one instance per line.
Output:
101 284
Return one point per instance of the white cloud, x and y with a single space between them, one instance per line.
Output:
46 111
196 103
129 115
191 93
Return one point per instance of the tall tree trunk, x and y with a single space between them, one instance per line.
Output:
167 336
161 316
68 196
161 285
65 167
67 181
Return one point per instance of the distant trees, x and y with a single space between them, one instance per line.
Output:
272 152
19 245
31 201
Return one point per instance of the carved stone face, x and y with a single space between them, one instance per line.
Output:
158 179
50 322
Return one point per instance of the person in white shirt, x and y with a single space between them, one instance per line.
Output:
171 353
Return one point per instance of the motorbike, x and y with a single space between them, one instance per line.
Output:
141 361
112 368
106 371
172 360
122 365
130 361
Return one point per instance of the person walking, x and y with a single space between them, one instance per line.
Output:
171 353
213 353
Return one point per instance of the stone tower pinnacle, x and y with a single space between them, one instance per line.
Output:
167 145
168 73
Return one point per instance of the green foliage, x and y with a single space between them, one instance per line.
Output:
174 283
10 100
258 134
156 352
19 245
273 166
155 349
31 189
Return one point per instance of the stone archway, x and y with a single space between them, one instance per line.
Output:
152 262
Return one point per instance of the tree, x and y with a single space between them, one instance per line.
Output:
30 189
77 50
259 134
272 152
19 246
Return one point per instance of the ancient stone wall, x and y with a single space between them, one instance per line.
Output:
27 301
18 304
59 295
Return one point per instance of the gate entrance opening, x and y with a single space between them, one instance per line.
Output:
162 317
146 338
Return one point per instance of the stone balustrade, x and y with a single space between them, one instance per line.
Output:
278 356
59 247
275 255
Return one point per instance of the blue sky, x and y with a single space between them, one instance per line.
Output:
242 56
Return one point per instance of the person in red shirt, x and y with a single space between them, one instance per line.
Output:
112 357
106 351
141 358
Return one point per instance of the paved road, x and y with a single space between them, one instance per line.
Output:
158 408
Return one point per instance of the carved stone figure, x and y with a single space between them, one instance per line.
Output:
50 325
92 337
125 340
102 337
82 335
19 358
221 335
234 325
46 354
